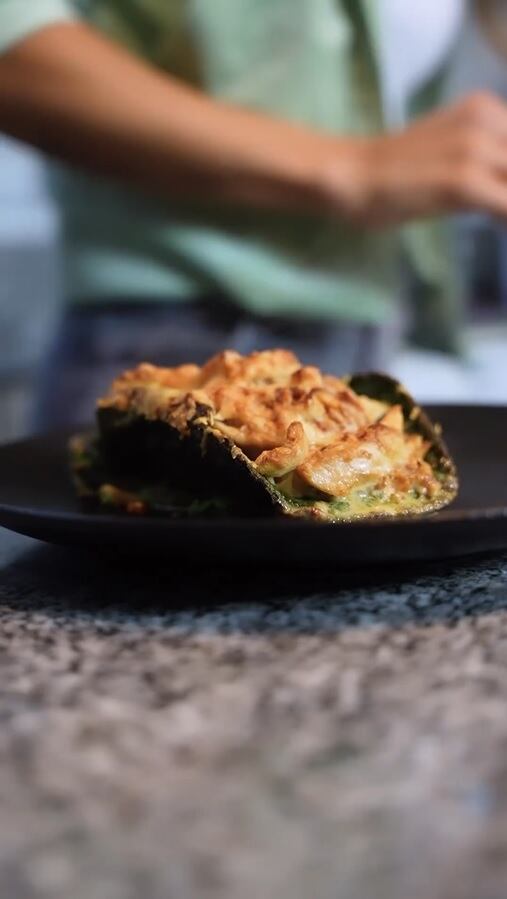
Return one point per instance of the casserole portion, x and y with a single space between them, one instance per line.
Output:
266 434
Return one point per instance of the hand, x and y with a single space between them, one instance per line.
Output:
452 160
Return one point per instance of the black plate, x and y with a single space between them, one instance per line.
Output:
36 499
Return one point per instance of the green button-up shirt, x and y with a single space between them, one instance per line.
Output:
312 61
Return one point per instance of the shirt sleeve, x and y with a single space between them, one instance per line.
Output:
20 18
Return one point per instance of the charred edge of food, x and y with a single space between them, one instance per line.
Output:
101 488
233 472
130 443
192 458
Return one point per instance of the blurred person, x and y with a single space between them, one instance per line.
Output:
238 174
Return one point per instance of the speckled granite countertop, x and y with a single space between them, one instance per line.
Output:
176 735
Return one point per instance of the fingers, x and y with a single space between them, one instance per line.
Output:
453 161
463 163
477 112
484 192
481 112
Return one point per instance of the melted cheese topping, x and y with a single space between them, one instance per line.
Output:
308 432
378 459
254 398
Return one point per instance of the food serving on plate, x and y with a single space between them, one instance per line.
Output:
262 434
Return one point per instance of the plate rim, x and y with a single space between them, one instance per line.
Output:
447 515
443 516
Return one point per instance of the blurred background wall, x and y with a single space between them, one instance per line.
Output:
29 280
30 290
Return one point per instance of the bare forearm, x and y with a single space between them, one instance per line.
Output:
78 97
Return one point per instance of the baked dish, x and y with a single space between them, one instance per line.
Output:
262 434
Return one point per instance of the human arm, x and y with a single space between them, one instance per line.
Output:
79 97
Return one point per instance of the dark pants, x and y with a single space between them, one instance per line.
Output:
94 343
